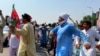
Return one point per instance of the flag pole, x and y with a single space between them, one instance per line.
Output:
72 21
13 6
99 13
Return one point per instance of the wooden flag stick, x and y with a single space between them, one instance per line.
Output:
72 21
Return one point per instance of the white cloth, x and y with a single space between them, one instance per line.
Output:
13 41
91 34
13 51
64 16
40 33
60 23
76 40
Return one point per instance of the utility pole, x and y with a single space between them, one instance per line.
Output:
99 13
91 9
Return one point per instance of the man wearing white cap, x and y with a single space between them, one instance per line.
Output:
64 32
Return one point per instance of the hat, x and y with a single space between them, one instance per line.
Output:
64 16
27 16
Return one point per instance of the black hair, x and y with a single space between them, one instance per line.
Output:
88 23
6 20
43 24
53 25
27 17
49 24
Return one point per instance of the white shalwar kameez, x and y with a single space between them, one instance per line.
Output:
91 34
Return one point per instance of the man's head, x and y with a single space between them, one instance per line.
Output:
26 18
12 28
8 19
0 12
87 24
63 17
80 26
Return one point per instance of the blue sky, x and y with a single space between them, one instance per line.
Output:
49 10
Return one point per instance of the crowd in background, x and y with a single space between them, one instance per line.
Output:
59 41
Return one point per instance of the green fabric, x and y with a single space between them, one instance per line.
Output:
14 23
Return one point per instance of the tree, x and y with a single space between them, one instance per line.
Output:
92 18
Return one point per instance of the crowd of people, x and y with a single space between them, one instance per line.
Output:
58 37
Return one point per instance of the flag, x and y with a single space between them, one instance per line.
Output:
15 18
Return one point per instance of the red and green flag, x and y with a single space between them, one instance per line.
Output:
15 18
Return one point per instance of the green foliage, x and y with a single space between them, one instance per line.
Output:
92 18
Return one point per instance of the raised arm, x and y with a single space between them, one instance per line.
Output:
3 20
77 32
23 31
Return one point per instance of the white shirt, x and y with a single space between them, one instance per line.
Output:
91 35
13 41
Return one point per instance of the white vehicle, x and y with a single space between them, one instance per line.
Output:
5 33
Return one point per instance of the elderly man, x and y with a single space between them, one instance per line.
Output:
27 39
2 24
64 32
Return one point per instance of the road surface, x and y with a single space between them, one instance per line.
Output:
40 52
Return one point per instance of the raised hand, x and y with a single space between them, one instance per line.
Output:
77 46
0 12
87 46
98 46
12 28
